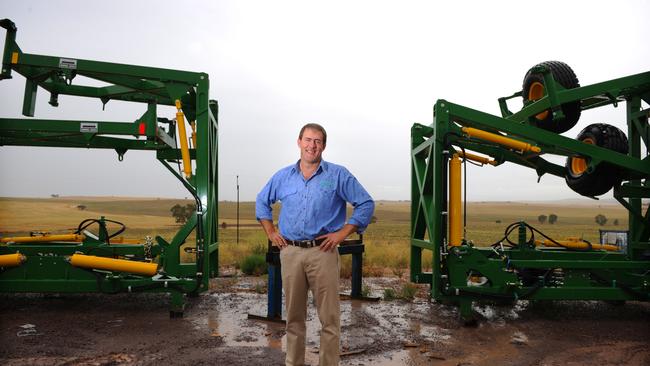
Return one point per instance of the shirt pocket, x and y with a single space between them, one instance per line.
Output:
287 193
327 198
290 209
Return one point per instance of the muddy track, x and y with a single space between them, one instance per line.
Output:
88 329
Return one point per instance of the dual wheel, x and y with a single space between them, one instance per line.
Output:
585 180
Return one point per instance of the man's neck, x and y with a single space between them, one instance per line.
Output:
308 169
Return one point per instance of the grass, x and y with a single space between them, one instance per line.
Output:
387 249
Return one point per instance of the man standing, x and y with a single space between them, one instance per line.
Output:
312 224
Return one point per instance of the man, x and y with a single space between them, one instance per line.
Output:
312 224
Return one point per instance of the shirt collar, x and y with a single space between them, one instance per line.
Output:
323 166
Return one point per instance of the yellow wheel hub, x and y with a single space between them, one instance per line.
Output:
579 165
535 92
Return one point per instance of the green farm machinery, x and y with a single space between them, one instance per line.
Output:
518 266
92 259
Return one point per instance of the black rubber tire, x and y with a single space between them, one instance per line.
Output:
605 175
563 74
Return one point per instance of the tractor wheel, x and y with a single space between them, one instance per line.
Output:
534 89
605 175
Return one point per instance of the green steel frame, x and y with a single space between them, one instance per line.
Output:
526 272
46 268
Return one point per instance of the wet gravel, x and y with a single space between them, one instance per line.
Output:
135 329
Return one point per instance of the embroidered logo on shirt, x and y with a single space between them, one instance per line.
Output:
327 184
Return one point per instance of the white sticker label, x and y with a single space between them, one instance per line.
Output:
67 63
88 127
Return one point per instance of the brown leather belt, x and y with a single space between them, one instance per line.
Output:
305 243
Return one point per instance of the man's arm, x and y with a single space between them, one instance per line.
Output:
273 235
332 240
364 206
264 213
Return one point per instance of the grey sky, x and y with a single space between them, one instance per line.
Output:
366 70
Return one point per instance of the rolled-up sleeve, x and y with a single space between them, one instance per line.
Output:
354 193
264 200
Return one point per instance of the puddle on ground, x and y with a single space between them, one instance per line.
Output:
407 328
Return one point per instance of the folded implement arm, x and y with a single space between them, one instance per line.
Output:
600 159
47 266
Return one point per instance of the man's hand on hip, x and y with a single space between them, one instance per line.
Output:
277 240
332 240
273 235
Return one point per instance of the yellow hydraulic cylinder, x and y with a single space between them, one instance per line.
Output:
123 240
576 243
182 136
455 214
477 158
501 140
111 264
43 238
12 260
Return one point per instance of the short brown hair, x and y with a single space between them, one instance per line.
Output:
314 126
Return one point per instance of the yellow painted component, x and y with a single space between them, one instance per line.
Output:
182 136
193 125
477 158
43 238
111 264
579 165
12 260
536 92
123 240
577 243
14 58
455 214
501 140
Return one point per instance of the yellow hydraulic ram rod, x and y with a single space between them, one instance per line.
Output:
182 136
12 260
111 264
575 243
499 139
477 158
455 214
43 238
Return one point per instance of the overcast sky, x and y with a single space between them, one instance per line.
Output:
366 70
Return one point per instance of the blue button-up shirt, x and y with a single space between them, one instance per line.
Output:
315 206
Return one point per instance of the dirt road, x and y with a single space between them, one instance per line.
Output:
136 330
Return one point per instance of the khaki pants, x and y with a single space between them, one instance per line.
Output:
304 269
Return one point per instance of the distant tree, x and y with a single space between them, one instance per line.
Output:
615 222
542 218
54 195
498 221
81 207
190 208
601 219
224 225
180 213
552 219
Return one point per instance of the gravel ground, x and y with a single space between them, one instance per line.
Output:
135 329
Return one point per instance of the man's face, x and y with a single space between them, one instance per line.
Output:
311 146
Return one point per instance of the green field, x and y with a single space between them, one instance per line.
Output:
387 248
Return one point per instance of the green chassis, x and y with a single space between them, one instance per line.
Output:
550 273
46 268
